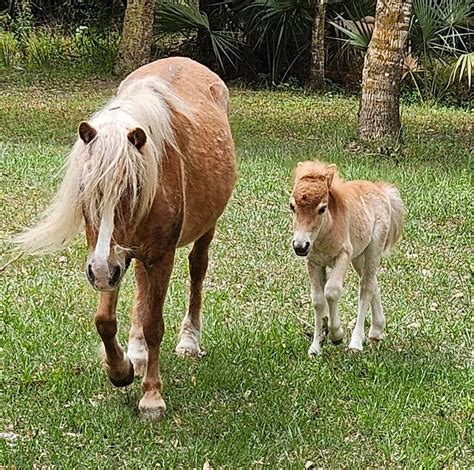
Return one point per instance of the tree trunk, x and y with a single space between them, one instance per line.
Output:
137 36
379 108
316 71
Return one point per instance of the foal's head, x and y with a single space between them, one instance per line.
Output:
117 187
309 202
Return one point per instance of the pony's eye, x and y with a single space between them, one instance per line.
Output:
292 207
322 210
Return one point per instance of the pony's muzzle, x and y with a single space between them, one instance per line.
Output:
104 277
301 247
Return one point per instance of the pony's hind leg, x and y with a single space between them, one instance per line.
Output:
317 276
137 351
118 365
378 318
376 332
190 334
367 288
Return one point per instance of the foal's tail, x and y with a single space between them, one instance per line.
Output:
397 213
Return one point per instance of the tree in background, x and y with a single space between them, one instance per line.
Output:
379 109
137 36
316 71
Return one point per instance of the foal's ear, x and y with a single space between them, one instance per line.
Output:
330 172
86 132
137 137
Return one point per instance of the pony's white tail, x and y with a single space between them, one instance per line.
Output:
397 213
60 222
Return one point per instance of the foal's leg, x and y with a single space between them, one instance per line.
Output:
190 333
137 351
332 292
119 367
368 285
317 276
378 318
152 405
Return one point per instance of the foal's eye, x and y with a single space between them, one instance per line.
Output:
322 210
292 207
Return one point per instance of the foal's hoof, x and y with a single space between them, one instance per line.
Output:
126 380
152 408
314 351
337 338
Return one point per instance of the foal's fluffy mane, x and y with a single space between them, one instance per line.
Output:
316 170
99 174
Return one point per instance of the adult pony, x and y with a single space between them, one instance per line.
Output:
336 223
150 172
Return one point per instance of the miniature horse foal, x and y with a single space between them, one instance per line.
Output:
336 223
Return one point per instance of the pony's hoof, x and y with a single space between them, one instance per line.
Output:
337 338
375 337
152 409
355 347
188 348
126 380
314 352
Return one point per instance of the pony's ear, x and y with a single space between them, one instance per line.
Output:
330 172
86 132
137 137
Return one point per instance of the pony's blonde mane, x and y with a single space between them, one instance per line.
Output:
100 174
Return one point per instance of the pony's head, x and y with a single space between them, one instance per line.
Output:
308 203
111 179
116 189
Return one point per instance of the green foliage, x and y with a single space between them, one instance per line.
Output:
439 34
464 67
279 28
43 48
175 16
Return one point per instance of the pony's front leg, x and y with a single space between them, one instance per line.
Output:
332 292
190 334
119 367
137 351
152 405
317 276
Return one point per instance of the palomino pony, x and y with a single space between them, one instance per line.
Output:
336 223
152 171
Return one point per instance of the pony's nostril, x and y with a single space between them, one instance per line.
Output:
116 274
90 273
301 249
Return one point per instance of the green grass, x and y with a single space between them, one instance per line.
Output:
255 400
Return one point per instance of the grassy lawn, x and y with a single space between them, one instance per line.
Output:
255 400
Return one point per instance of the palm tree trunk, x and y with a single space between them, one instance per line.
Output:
137 36
316 71
379 108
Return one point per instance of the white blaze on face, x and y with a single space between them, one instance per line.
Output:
106 230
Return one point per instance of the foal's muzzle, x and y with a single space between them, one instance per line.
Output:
301 248
104 278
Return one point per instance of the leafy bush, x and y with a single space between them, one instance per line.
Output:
43 48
